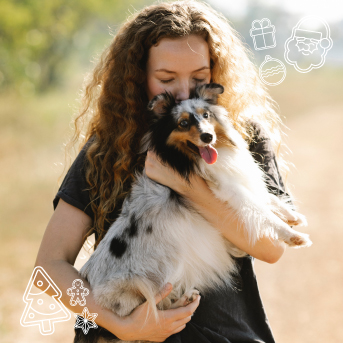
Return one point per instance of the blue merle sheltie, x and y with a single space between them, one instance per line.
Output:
159 237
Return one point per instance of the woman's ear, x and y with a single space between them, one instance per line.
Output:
162 103
209 92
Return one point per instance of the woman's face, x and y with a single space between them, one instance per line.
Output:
177 65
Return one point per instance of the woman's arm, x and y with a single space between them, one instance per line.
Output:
213 210
60 246
216 212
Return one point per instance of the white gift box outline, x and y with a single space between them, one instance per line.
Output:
269 25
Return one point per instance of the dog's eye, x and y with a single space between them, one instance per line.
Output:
205 115
183 123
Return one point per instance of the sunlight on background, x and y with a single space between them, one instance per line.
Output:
330 10
46 48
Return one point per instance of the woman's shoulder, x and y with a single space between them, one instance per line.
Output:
74 188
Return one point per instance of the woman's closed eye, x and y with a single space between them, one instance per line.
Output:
170 80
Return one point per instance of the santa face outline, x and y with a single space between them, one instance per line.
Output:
308 43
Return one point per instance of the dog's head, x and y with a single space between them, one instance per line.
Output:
189 131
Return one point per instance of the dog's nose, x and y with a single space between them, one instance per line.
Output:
206 137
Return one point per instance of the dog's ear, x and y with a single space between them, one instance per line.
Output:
209 92
162 103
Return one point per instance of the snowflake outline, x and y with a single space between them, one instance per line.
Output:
85 320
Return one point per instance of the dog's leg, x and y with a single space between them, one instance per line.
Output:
287 214
289 236
260 221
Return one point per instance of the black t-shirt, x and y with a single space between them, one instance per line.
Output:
223 316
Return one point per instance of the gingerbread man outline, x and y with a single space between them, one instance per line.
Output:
77 290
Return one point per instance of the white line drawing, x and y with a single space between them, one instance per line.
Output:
263 34
272 71
306 49
85 321
76 291
34 313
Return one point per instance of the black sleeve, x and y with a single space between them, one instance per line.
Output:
74 188
263 153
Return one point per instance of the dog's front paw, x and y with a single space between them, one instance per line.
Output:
186 299
189 296
299 240
297 219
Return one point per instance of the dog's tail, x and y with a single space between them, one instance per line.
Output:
148 291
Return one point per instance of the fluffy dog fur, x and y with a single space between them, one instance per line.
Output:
159 237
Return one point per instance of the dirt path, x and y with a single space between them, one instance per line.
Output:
303 292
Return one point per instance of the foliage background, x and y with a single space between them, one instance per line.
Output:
46 47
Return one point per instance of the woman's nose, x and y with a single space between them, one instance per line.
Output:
183 91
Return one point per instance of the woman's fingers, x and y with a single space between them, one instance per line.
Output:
163 173
170 321
183 321
178 329
180 324
164 292
181 313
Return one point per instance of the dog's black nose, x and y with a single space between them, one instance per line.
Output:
206 137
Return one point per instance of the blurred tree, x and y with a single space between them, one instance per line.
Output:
37 36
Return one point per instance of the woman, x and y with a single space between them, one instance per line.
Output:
173 47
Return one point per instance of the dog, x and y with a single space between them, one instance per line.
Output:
159 237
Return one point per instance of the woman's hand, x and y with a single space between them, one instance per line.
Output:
172 321
166 176
162 173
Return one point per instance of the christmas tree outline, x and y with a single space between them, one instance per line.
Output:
46 326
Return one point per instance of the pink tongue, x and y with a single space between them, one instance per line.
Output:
209 154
